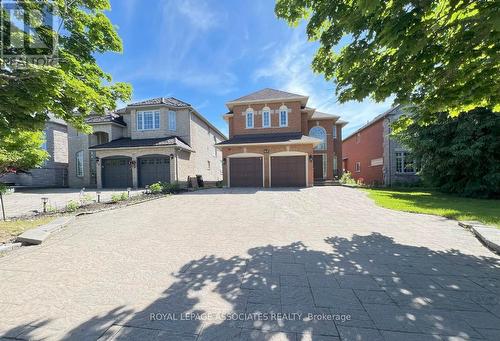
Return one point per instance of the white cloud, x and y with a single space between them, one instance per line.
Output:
199 14
289 69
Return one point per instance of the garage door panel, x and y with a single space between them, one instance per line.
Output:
116 173
153 169
246 172
288 171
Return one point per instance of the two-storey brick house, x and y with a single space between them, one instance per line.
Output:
160 139
275 140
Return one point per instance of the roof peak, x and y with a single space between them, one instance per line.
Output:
267 94
172 101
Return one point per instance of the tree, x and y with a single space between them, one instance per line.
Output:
457 154
68 82
20 150
441 55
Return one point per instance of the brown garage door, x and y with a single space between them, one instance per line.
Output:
288 171
245 172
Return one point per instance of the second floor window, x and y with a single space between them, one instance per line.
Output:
249 123
334 131
319 133
148 120
283 118
172 120
266 119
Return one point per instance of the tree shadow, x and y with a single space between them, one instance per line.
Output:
363 288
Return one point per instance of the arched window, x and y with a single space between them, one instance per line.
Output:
319 133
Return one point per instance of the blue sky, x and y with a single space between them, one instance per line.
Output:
207 52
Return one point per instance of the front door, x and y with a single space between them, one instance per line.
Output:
318 166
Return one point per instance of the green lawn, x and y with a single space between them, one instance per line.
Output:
431 202
13 228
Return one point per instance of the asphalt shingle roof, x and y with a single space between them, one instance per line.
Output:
262 138
266 93
110 117
134 143
174 102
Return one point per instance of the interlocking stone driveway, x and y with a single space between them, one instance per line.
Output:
284 262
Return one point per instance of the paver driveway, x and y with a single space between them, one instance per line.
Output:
284 262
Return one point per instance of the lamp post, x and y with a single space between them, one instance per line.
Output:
45 200
1 202
128 192
98 196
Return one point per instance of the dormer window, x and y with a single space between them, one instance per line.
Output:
266 118
283 116
249 118
148 120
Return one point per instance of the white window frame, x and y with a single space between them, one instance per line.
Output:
155 117
285 111
249 112
357 167
172 120
324 143
401 159
80 172
266 112
334 131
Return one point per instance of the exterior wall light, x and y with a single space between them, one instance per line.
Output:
310 158
172 156
266 151
45 200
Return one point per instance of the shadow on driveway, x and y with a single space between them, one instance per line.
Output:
365 288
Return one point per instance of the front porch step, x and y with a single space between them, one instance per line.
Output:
326 183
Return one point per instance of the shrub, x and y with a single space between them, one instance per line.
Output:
219 184
119 197
72 206
156 188
170 188
347 178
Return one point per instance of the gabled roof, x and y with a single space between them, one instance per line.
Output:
171 101
136 143
298 138
376 119
267 94
110 117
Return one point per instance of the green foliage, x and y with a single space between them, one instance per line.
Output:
119 197
73 87
171 188
441 55
219 184
347 178
156 188
3 188
72 206
20 150
457 154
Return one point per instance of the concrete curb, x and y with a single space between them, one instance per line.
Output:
488 235
37 235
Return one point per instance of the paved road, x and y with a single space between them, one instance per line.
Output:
26 202
315 264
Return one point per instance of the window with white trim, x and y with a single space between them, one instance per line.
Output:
283 118
266 119
148 120
404 162
79 163
249 119
172 120
357 166
334 131
335 166
320 133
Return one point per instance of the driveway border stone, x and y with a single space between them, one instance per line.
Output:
488 235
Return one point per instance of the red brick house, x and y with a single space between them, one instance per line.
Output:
275 140
371 156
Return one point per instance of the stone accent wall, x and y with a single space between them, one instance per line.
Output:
391 146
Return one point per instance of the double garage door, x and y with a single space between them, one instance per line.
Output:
117 171
286 171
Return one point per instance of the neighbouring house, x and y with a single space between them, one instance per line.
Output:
54 171
160 139
276 140
373 157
